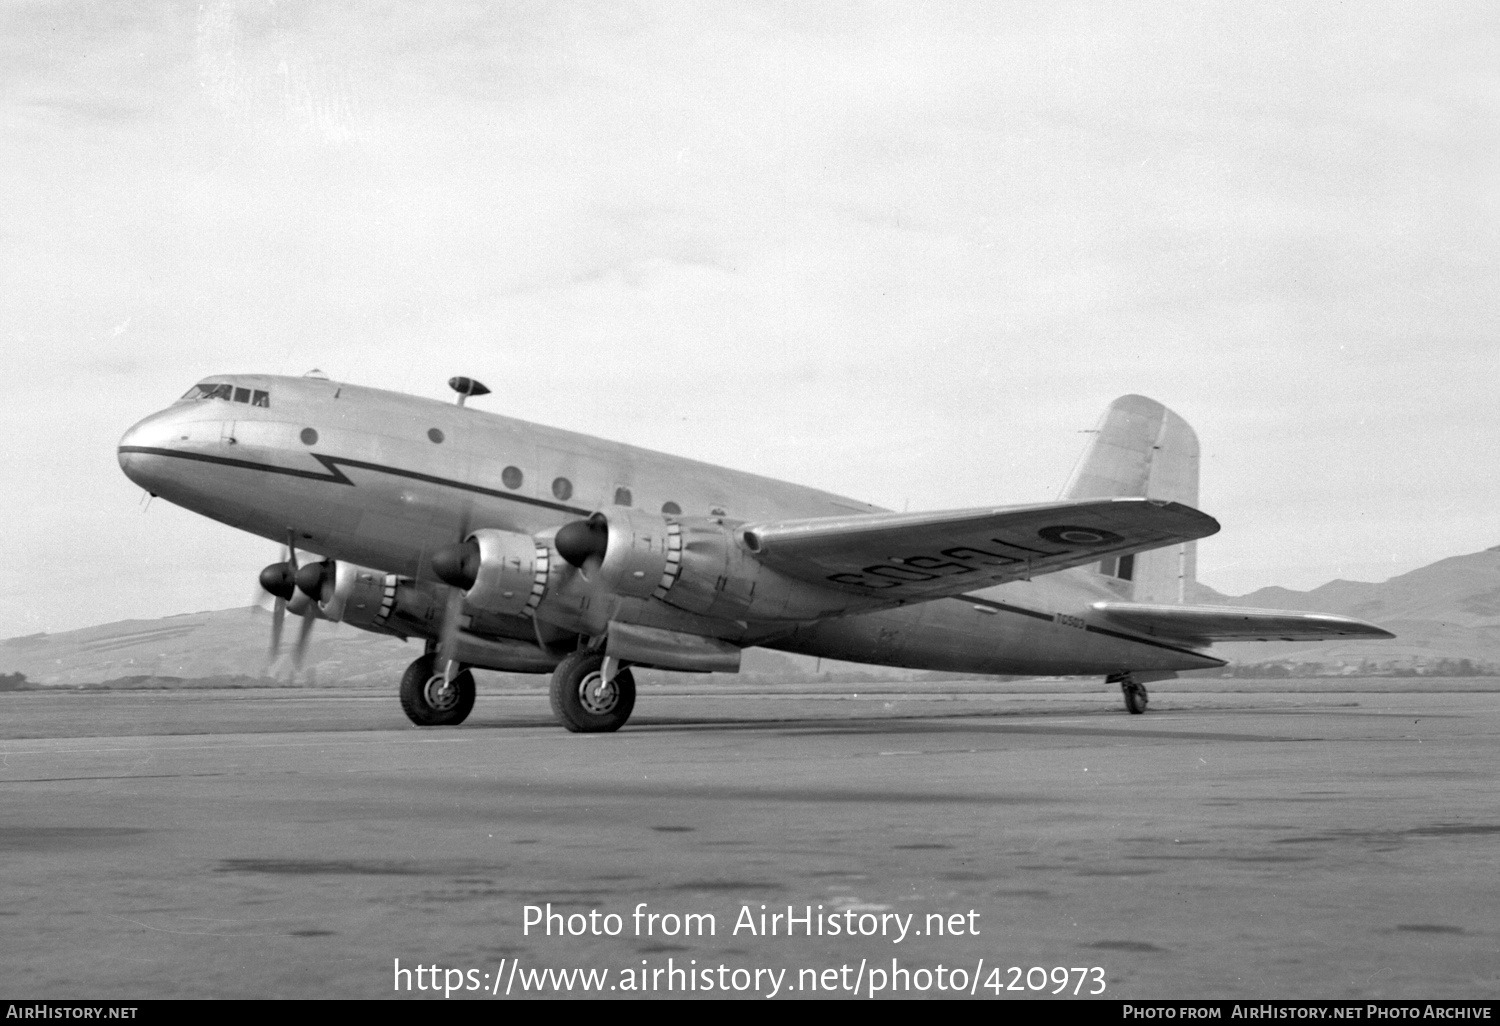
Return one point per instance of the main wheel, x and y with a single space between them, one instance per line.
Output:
584 702
1135 697
432 701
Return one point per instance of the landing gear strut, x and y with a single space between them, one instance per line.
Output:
431 698
592 694
1134 691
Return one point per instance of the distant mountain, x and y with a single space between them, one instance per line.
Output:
233 643
1449 610
226 642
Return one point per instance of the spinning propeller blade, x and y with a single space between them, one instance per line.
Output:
279 581
456 566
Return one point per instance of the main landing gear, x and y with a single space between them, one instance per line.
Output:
1134 691
431 699
592 694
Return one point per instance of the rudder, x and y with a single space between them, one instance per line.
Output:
1141 448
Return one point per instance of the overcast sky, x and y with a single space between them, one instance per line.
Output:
906 252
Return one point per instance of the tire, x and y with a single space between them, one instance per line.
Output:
1135 698
427 703
578 702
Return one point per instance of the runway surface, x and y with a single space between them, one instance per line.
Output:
296 843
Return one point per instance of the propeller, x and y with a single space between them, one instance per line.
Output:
280 581
284 580
315 580
583 543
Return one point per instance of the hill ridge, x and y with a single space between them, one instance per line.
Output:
1448 610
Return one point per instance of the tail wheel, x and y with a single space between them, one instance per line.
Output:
584 702
430 699
1133 690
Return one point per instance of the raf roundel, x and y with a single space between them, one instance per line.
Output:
1062 534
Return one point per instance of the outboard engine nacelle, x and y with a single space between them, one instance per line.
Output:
358 595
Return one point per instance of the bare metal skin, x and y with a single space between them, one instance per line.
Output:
509 545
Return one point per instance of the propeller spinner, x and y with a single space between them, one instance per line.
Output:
457 565
280 580
583 540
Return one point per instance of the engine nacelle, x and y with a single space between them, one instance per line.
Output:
499 571
637 553
377 601
709 573
512 572
693 563
712 571
354 589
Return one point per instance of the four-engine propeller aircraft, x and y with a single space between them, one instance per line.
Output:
511 546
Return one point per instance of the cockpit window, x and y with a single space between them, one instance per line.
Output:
229 393
210 390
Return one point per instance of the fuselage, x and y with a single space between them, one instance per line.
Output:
383 480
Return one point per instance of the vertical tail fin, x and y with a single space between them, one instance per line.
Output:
1141 448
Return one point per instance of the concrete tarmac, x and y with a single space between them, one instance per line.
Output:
288 843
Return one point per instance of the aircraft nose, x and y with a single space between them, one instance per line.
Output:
143 448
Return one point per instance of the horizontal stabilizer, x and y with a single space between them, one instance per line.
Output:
1204 624
915 556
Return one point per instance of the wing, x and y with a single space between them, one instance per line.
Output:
913 556
1206 624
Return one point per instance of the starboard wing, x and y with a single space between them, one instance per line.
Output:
917 556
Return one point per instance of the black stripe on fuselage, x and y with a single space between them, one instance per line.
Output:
1002 607
1005 608
337 476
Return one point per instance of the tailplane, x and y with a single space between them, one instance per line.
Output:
1141 448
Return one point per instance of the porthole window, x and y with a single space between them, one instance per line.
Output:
309 436
512 477
434 434
671 507
562 488
622 496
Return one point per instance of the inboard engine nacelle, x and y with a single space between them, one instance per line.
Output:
499 571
